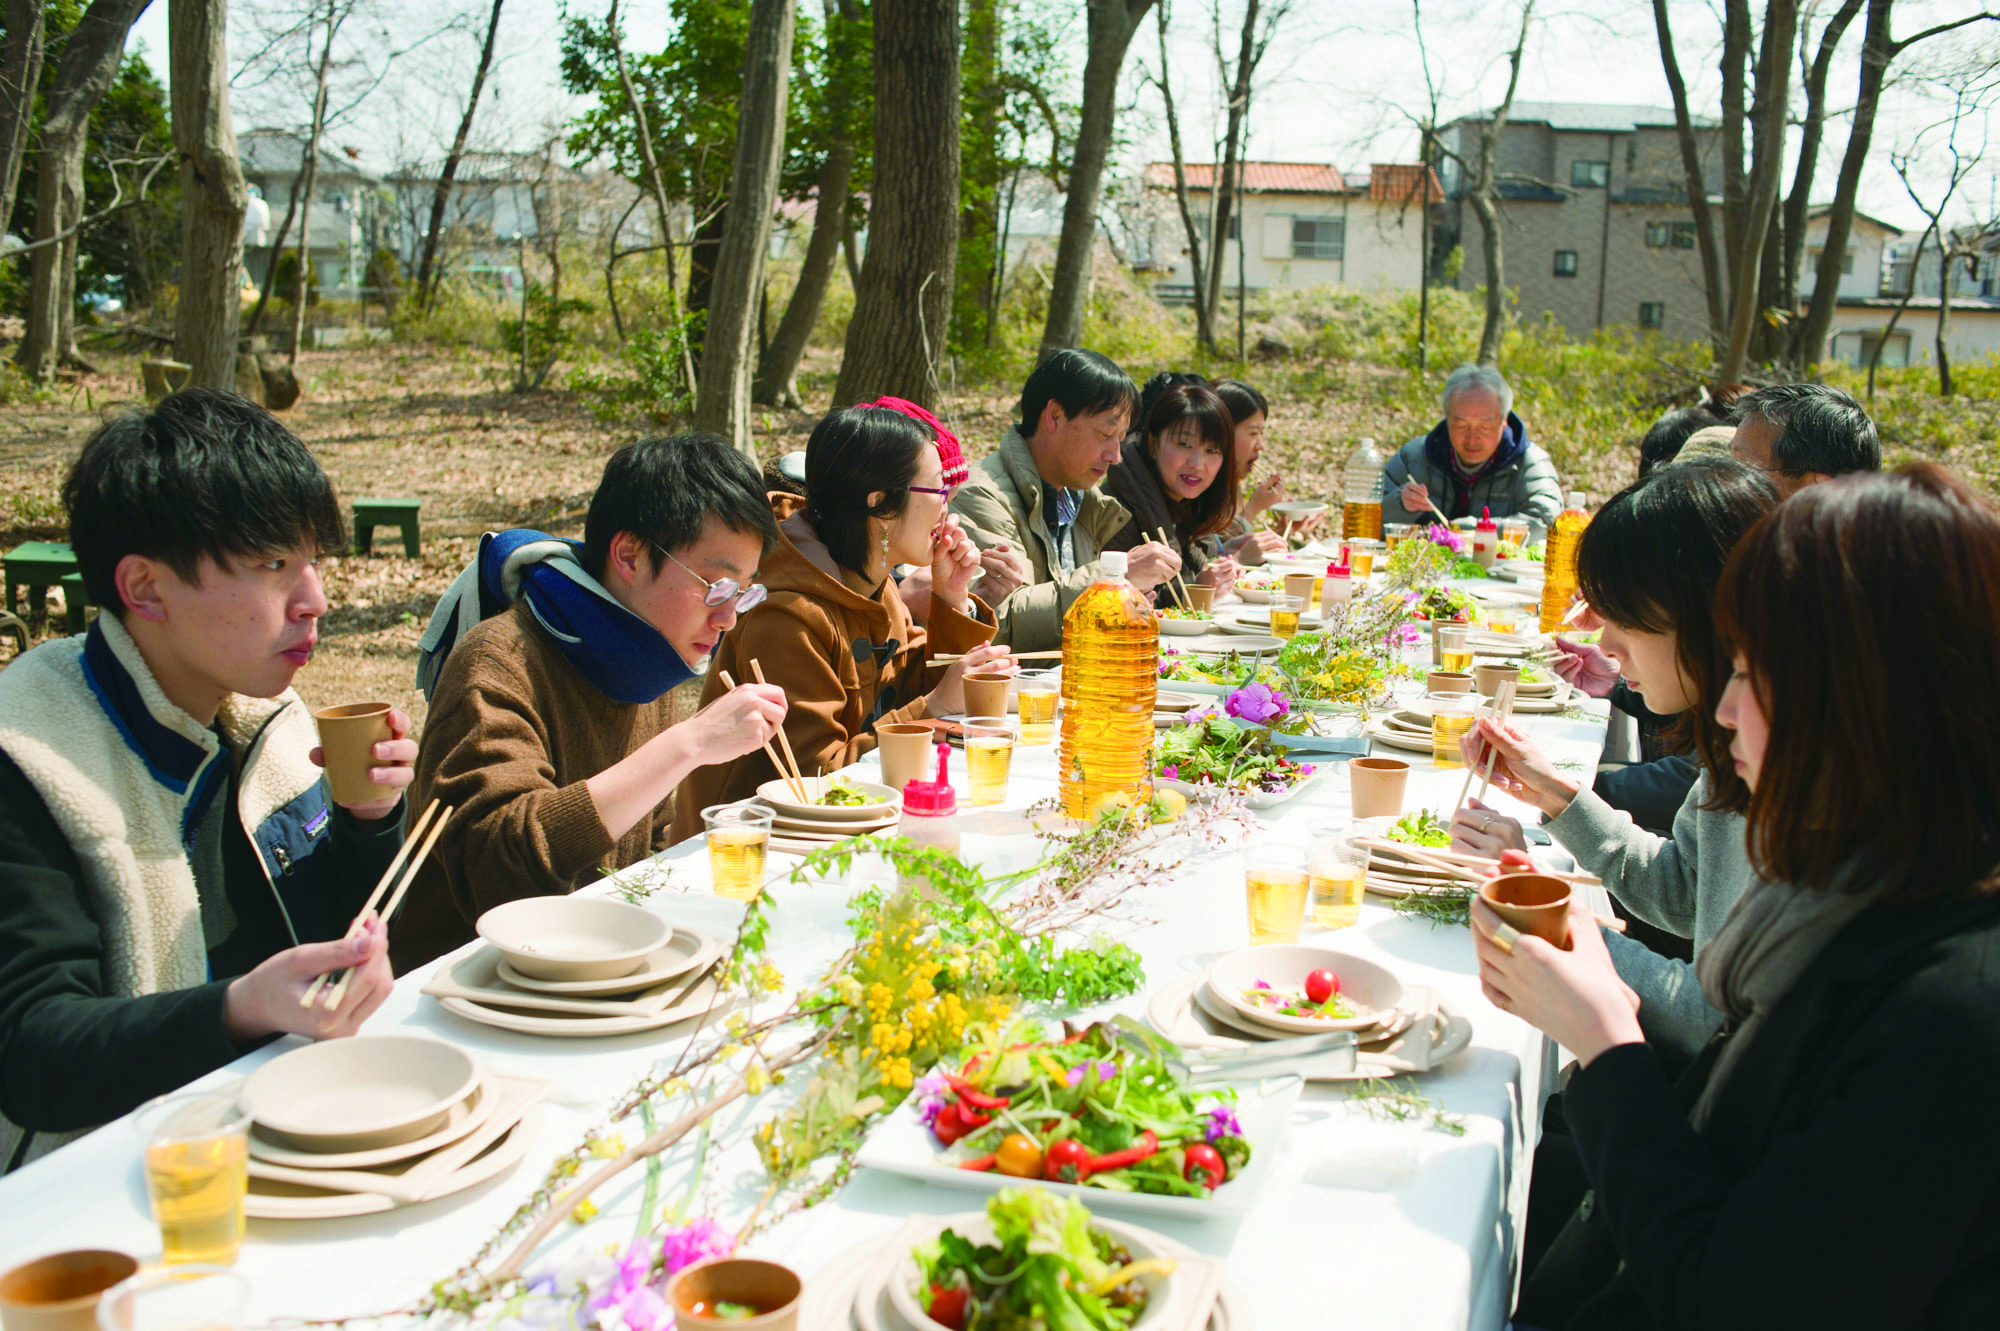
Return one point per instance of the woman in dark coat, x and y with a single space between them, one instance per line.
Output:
1178 476
1830 1159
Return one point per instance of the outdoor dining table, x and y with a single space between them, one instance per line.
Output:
1365 1222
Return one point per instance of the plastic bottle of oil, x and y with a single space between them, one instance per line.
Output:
1361 491
1111 660
1559 562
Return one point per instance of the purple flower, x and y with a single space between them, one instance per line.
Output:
1196 715
634 1269
1172 771
1105 1072
696 1241
1405 635
1447 537
933 1089
645 1309
1258 704
1261 984
1221 1123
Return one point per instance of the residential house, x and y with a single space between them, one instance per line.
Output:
1864 267
1595 224
1302 224
350 215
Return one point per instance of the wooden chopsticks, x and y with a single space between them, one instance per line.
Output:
1504 700
1161 537
1462 865
1052 654
339 979
795 780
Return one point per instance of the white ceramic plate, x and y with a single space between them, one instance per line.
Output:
901 1144
1272 799
688 950
1296 509
1186 628
838 827
692 1004
1375 987
466 1116
574 937
778 795
1390 737
360 1093
1257 619
271 1200
1254 595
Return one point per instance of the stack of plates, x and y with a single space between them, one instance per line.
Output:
528 977
1400 1030
1394 875
1402 729
805 827
857 1290
353 1127
1257 619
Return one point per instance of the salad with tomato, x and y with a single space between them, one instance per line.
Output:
1319 998
1047 1266
1086 1111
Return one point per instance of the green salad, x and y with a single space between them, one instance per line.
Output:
1421 828
1186 668
842 792
1047 1269
1447 603
1183 612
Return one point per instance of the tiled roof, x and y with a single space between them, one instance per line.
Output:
1397 182
1258 177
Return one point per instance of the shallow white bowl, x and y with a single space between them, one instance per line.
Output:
1294 509
574 938
359 1094
1187 628
1286 965
905 1276
778 794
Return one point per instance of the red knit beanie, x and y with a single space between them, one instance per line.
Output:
956 470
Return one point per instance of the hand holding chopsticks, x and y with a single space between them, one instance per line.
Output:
338 980
788 768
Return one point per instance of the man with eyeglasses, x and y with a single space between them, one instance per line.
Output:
558 726
1802 434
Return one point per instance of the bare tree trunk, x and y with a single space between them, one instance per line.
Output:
89 64
980 165
309 181
212 194
1697 185
1736 92
722 401
1111 24
426 278
1811 130
1878 51
902 306
1224 181
1204 331
1482 198
780 361
651 168
1949 252
1773 82
20 72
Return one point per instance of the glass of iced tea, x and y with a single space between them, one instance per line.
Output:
1502 616
1285 612
1515 533
195 1297
1275 885
989 753
1454 649
1038 713
739 836
1337 871
1451 718
197 1172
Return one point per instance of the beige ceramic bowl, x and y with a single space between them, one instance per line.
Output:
778 794
574 938
906 1277
359 1094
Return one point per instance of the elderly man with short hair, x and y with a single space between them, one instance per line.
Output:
1478 457
1802 434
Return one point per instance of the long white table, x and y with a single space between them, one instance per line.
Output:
1366 1223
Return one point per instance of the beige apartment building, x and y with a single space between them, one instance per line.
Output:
1594 215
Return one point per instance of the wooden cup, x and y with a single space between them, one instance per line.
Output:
1375 786
1490 677
1200 597
1533 903
1301 586
1451 682
775 1290
60 1292
986 695
347 733
908 753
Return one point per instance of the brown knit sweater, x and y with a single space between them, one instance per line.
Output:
845 661
514 732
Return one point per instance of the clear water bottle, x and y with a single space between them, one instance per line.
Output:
1361 485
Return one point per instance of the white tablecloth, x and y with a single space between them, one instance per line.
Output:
1365 1223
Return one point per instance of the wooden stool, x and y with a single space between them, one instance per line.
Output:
38 566
401 513
75 598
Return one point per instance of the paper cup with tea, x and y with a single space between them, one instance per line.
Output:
986 694
1490 677
1534 903
1452 683
60 1292
906 753
1200 597
1375 786
348 735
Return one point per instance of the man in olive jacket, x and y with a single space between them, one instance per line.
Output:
1033 506
1477 457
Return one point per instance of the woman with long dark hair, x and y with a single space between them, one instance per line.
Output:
832 631
1178 477
1648 564
1829 1160
1244 541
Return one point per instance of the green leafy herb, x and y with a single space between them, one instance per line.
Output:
1440 905
1400 1102
1421 828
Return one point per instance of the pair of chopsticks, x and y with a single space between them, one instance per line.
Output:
1504 702
1467 868
339 979
795 780
1186 600
1052 654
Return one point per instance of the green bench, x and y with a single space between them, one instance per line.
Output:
75 598
400 513
37 566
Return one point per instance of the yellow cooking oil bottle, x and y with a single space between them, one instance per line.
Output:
1559 562
1110 676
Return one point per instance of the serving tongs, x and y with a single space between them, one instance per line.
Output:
1325 1055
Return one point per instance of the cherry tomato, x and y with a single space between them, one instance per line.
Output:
948 1126
947 1307
1067 1161
1322 985
1020 1157
1204 1166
